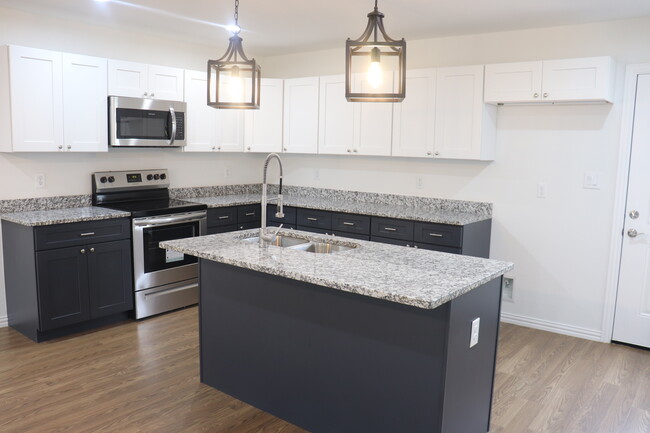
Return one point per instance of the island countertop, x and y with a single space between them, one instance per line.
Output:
420 278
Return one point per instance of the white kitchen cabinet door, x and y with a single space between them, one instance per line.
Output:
128 79
374 134
513 82
336 117
465 126
230 130
201 119
85 117
414 118
263 127
165 83
301 115
585 79
36 88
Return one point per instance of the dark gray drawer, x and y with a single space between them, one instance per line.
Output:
399 242
250 225
314 230
441 248
392 228
351 223
249 213
284 226
222 216
83 233
438 234
289 214
222 229
314 218
351 235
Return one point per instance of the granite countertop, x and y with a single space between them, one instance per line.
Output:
420 278
416 213
63 216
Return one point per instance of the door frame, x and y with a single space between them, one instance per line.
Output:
620 197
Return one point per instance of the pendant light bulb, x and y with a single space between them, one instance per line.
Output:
375 74
236 85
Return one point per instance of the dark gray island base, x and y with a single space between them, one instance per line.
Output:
332 361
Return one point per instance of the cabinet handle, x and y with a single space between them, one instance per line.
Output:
146 94
345 223
390 229
249 148
69 147
87 234
546 95
224 217
355 151
152 95
219 148
536 95
214 147
312 219
429 153
284 148
241 227
436 153
436 235
60 146
83 251
250 214
349 150
92 250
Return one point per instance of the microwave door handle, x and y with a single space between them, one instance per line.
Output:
172 113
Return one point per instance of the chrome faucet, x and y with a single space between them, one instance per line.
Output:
265 237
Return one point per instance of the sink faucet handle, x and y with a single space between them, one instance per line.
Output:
275 235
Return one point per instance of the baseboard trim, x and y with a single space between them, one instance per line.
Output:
4 321
547 325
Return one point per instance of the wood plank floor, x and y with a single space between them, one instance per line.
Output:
144 377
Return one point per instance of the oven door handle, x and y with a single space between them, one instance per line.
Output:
172 113
147 222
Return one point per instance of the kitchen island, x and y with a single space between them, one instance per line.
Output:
375 338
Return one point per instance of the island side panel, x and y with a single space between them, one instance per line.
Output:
469 375
326 360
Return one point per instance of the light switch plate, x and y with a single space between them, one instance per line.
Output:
542 189
476 324
591 180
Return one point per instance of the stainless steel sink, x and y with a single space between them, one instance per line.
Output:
321 248
281 241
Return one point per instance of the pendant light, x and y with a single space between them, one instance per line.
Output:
370 53
234 80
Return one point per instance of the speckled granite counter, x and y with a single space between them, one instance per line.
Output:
426 212
63 216
424 279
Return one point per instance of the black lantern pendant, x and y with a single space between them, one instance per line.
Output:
369 54
234 80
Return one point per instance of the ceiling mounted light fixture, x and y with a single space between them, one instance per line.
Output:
373 55
234 80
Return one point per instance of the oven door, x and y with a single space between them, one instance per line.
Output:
154 266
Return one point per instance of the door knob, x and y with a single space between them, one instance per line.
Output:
634 214
633 233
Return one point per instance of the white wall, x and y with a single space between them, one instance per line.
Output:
69 173
560 244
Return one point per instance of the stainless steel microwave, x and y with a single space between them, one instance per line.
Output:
138 122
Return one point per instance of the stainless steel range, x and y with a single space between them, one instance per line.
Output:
164 280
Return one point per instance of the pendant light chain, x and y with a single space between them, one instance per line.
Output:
237 13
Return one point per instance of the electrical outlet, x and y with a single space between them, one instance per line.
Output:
316 174
418 182
542 190
39 181
227 172
507 288
476 324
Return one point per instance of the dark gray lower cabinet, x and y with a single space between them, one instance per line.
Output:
54 291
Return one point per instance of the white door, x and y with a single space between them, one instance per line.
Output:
513 82
414 118
632 318
336 117
128 79
85 117
230 130
301 115
36 100
201 127
374 134
263 127
165 83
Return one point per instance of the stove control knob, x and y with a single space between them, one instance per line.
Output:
156 176
163 176
111 179
149 176
103 179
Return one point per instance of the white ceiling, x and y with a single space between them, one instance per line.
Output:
285 26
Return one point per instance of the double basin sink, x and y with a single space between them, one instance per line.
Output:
294 243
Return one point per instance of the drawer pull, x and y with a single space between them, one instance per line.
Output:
88 234
312 219
345 223
92 250
436 235
83 251
390 229
250 214
224 217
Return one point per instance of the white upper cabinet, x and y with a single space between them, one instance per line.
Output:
139 80
263 127
414 118
374 133
569 80
336 119
465 127
230 130
84 103
301 115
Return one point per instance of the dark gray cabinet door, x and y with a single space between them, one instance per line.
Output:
62 276
109 278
